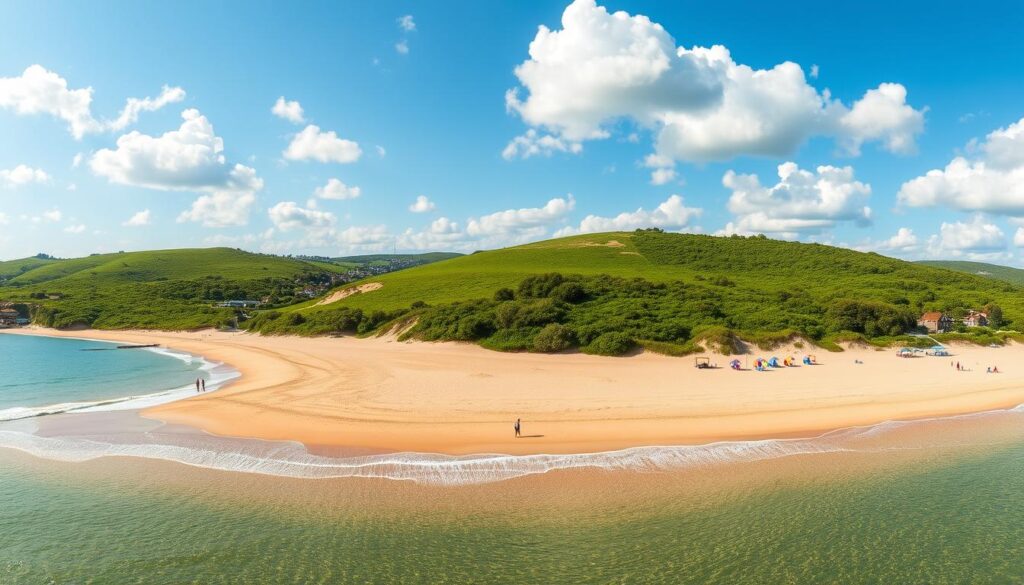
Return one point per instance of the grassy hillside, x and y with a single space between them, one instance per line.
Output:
1012 275
170 289
615 290
12 268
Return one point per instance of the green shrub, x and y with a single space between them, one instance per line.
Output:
614 343
554 337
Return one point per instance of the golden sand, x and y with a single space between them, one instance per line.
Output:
382 394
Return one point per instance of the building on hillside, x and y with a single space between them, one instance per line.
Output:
9 318
976 319
239 304
935 322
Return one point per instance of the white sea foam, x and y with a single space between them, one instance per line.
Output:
291 459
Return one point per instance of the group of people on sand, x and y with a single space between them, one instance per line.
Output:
200 385
988 370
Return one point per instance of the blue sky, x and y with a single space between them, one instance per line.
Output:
623 121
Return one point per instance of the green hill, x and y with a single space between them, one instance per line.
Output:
168 289
669 291
1012 275
12 268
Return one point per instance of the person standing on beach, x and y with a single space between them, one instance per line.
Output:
197 384
204 384
517 427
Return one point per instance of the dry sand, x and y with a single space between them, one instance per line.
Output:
382 394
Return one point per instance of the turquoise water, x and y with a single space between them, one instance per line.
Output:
42 371
960 521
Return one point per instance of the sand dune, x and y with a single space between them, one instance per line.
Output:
382 394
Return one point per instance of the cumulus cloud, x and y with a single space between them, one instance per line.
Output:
442 233
903 240
220 209
801 201
663 176
406 23
313 144
402 47
990 179
139 219
533 143
75 229
976 238
521 223
22 175
288 110
671 214
54 215
287 216
602 67
40 91
422 205
335 189
374 237
190 158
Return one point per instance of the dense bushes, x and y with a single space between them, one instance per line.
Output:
872 318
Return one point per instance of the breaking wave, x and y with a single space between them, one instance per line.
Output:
291 459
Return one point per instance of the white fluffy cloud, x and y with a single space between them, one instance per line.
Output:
602 67
990 180
423 204
22 175
442 233
374 237
882 115
975 238
75 229
139 219
663 176
402 47
190 158
335 189
521 223
802 201
406 23
313 144
287 216
288 110
40 91
903 240
671 214
533 143
220 209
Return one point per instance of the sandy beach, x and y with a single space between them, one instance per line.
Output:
383 395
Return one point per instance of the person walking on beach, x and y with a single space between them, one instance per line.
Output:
197 385
517 427
203 380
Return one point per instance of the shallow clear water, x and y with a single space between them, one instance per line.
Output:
41 371
959 520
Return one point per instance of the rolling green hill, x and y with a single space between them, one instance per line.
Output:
168 289
669 291
12 268
1012 275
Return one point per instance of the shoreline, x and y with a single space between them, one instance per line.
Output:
218 373
383 396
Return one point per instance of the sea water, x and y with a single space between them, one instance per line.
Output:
48 375
959 521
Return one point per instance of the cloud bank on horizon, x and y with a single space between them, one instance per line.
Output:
687 136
